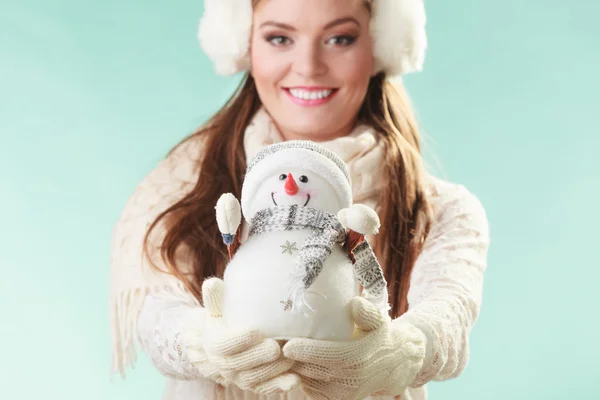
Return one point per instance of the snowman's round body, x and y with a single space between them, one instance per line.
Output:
255 297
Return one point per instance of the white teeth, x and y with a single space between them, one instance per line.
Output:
310 95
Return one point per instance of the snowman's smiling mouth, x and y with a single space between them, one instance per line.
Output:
274 202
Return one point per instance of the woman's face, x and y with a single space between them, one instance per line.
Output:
312 61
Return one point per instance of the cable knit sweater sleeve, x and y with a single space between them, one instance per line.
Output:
446 284
146 305
161 325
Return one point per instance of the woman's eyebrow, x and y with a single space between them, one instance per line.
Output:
278 25
342 20
333 23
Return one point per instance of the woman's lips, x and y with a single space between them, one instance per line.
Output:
310 97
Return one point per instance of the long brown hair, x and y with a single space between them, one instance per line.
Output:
403 206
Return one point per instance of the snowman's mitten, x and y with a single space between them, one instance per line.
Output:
359 218
242 358
229 216
384 359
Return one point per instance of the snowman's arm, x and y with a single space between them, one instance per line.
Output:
352 240
367 270
359 220
235 244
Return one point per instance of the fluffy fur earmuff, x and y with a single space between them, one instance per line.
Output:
397 28
399 37
224 34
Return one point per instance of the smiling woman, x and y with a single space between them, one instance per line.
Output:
315 70
311 60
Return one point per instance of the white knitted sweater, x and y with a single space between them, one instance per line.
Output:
148 309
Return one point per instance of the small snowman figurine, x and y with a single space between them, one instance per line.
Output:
306 254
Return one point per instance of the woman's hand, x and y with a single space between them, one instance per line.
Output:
383 360
242 358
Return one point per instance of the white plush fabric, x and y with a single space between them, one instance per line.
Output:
444 297
256 280
397 28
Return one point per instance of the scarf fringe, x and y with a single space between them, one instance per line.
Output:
296 293
125 309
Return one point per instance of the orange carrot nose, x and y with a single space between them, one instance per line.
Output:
291 188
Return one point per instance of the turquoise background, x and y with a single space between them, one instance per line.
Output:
93 94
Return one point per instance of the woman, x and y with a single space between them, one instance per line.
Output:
317 70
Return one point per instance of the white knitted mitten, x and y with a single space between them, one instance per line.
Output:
384 359
243 358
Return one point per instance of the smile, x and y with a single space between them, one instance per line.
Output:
312 97
274 202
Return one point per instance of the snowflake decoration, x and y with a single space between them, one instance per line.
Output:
288 247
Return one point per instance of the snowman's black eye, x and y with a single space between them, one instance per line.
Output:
282 177
303 179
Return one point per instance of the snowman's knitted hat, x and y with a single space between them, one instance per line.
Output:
300 154
397 28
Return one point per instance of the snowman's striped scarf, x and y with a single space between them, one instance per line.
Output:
327 231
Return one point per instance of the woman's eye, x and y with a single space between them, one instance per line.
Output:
278 40
282 177
343 40
303 179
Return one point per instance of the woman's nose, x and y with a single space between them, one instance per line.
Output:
291 188
309 61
